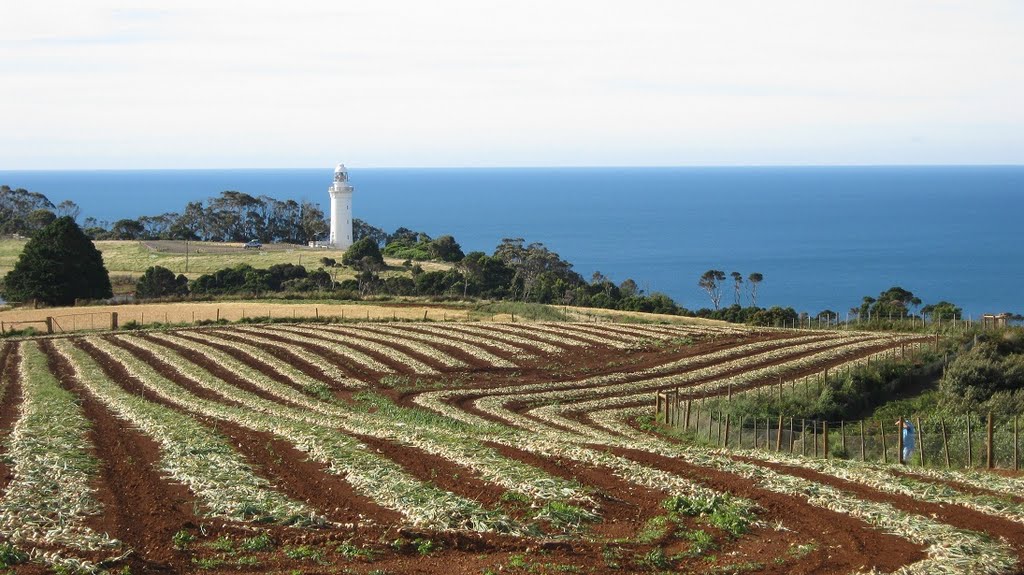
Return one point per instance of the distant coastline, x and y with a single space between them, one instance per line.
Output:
824 236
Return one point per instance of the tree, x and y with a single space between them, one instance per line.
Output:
893 302
361 229
159 281
39 219
754 279
191 224
942 310
364 248
68 208
737 281
17 207
368 268
58 265
710 282
628 288
127 229
446 249
312 222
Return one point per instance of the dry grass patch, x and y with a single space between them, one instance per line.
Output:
98 317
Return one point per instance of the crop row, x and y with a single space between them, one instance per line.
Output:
51 497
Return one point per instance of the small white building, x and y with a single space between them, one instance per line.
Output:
341 209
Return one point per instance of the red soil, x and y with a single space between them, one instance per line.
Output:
10 401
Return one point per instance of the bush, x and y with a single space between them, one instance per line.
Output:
159 281
364 248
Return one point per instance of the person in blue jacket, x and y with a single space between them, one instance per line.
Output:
908 440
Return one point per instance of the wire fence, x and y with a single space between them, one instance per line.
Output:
966 441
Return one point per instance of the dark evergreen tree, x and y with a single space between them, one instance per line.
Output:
58 265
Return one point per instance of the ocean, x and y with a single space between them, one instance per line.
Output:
823 237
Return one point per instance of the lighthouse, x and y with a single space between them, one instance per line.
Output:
341 209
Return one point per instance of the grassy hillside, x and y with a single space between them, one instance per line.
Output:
133 257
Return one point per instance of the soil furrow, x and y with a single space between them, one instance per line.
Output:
955 515
346 364
280 354
10 403
158 365
845 544
141 507
220 371
391 362
274 459
396 345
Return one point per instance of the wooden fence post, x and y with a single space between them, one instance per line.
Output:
920 440
814 437
899 441
885 455
862 453
686 422
842 435
778 438
989 451
824 438
1016 444
113 320
803 437
970 447
945 442
696 421
719 427
49 325
791 436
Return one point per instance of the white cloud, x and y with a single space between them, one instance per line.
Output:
455 82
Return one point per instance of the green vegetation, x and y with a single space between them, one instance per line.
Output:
24 213
987 376
362 249
182 539
304 553
10 556
410 245
158 282
58 266
261 542
849 395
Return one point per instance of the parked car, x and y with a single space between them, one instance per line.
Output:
253 245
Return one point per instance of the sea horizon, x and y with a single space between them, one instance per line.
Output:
823 236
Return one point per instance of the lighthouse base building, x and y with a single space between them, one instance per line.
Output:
341 209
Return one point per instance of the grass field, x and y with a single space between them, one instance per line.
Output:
132 258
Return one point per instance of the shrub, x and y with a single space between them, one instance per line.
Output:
364 248
159 281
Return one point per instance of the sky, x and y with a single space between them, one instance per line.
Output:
110 84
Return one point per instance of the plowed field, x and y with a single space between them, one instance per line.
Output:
455 448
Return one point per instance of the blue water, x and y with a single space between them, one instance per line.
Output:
823 237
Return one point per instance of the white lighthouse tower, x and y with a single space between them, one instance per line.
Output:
341 209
